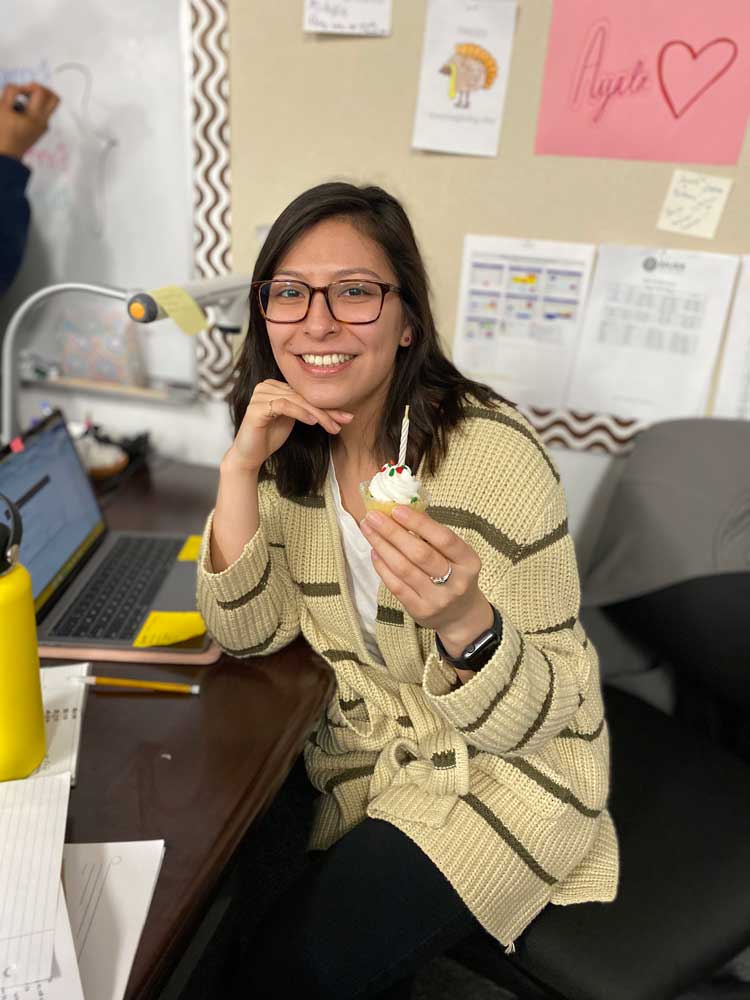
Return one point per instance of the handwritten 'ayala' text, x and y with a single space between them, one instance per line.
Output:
593 84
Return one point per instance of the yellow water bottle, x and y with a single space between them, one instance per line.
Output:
22 741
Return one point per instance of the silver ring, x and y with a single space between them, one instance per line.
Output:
439 580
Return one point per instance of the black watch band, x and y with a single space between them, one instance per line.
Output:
480 651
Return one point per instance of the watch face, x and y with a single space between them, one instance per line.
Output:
479 652
481 643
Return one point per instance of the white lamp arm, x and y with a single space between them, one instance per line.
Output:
228 294
10 374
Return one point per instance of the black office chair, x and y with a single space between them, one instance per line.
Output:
681 805
671 564
702 626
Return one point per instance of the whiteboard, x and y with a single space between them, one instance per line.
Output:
111 184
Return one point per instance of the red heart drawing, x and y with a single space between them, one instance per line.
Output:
692 79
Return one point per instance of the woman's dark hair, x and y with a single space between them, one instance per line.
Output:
423 377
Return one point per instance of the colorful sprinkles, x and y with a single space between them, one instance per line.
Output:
392 469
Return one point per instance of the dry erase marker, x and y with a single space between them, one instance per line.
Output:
121 682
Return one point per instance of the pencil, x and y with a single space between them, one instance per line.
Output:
121 682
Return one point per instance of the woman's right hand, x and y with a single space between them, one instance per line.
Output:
269 419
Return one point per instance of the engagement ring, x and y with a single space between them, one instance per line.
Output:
438 580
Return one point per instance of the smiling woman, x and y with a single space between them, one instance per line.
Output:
464 753
327 253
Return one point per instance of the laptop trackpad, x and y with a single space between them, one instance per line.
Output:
177 592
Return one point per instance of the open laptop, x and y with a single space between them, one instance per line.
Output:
93 588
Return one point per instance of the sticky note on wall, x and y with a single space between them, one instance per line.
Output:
181 308
694 204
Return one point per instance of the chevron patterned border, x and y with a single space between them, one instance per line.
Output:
209 44
584 431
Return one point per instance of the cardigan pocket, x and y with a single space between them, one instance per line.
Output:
350 709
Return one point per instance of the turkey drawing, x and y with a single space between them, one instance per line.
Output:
470 68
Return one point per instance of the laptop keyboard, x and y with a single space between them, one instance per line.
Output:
118 595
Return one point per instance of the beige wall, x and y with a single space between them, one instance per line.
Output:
309 108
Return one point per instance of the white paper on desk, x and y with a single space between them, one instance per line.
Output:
651 332
32 830
348 17
108 888
65 983
733 390
64 698
466 54
694 204
520 307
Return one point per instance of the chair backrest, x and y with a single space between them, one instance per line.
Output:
680 511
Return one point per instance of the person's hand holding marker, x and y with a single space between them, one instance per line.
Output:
270 416
25 111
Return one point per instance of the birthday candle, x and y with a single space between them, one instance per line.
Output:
404 437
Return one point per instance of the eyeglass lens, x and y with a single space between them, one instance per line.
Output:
349 301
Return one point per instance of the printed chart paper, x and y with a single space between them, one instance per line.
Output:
733 390
466 57
348 17
652 332
694 204
519 313
646 80
64 697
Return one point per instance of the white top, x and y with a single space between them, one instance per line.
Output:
363 580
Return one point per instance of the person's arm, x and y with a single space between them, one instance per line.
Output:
245 591
24 114
544 668
14 218
511 552
250 605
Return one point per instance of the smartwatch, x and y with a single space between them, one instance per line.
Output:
480 651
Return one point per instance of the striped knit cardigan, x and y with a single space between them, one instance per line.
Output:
501 781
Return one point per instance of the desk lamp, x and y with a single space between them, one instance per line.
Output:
227 295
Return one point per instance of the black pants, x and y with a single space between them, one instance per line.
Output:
360 921
355 921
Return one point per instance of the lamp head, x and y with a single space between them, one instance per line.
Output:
227 294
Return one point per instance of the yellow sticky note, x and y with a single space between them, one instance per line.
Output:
181 308
163 628
191 549
694 204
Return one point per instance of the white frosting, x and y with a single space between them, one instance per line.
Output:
394 483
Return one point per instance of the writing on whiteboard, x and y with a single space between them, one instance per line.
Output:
21 75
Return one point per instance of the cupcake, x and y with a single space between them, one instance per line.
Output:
394 484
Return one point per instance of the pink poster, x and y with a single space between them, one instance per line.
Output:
647 80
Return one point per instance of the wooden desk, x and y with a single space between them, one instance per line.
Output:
195 771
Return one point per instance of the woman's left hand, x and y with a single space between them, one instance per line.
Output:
408 550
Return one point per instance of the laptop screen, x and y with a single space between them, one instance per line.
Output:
42 474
